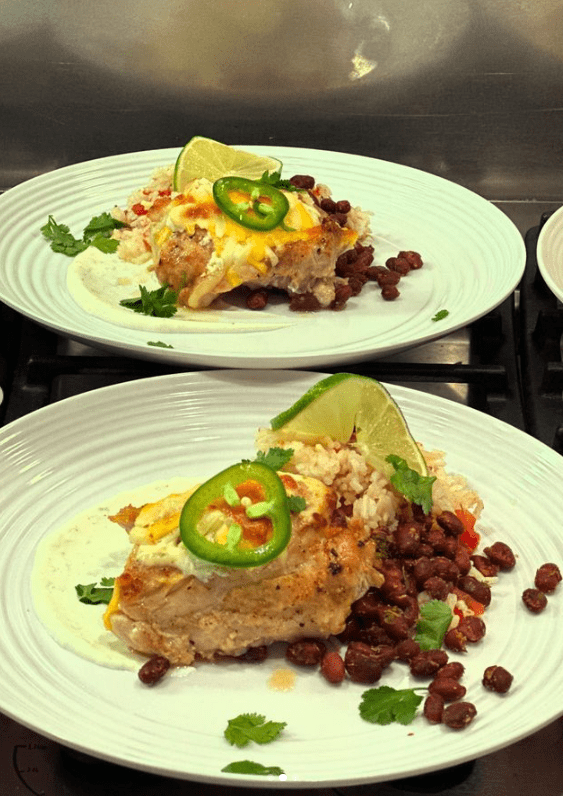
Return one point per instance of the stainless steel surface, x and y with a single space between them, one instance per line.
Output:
485 112
470 90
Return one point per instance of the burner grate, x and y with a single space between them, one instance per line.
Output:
540 351
40 374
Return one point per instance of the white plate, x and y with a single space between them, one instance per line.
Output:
77 452
549 253
474 258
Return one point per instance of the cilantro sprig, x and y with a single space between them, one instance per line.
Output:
417 488
62 240
296 503
433 624
385 705
159 344
276 458
274 178
252 727
94 594
249 728
160 303
96 233
250 767
440 315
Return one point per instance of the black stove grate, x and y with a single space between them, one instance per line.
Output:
37 374
540 351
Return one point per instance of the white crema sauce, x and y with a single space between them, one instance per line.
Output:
84 550
98 282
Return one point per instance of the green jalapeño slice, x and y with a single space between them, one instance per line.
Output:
251 203
239 518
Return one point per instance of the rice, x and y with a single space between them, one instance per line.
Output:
370 493
134 238
450 491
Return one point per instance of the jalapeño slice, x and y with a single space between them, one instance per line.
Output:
239 518
251 203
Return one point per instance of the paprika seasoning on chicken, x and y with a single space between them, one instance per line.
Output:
239 518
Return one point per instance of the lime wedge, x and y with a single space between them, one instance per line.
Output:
339 404
204 157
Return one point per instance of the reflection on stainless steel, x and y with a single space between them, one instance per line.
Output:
262 47
21 16
539 22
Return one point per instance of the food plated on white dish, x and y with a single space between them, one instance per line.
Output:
95 466
473 258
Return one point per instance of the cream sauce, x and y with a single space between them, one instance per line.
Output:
84 550
98 282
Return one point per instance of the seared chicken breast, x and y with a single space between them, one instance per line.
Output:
201 253
166 603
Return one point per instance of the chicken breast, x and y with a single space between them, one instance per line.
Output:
161 607
202 254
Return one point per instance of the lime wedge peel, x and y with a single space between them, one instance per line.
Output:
204 157
339 404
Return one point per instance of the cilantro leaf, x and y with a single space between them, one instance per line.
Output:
384 705
431 628
249 727
415 487
440 315
296 503
249 767
96 233
159 344
104 244
62 240
92 594
275 458
274 178
103 224
160 303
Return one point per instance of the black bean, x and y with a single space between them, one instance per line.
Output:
458 715
534 600
305 651
303 181
548 576
497 679
153 670
501 555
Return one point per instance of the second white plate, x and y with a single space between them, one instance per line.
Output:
194 424
549 253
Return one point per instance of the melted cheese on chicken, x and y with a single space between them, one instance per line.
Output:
195 208
201 252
